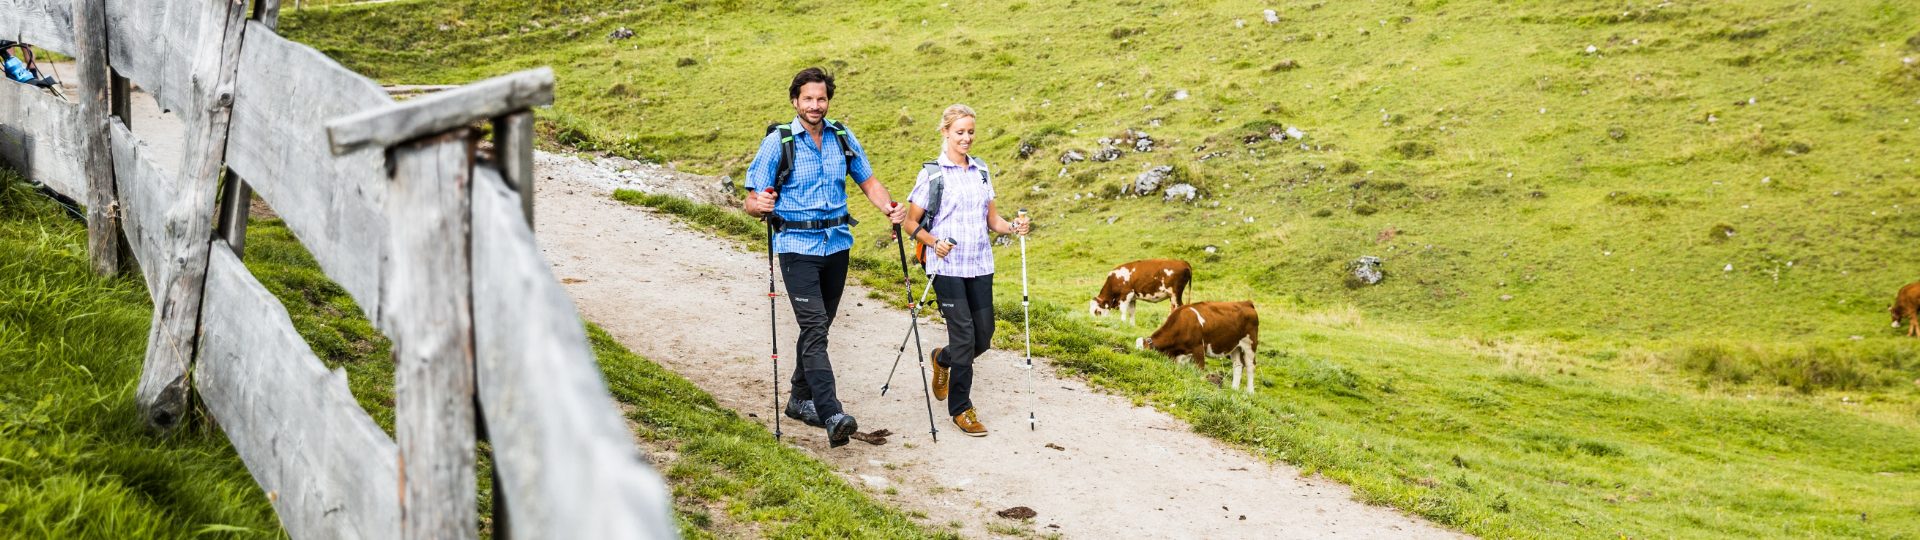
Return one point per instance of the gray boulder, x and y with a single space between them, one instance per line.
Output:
1149 181
1179 191
1366 270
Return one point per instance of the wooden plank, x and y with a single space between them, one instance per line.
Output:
46 24
333 204
154 43
328 468
563 453
267 12
513 147
433 114
236 198
428 312
147 195
95 95
230 221
162 393
40 137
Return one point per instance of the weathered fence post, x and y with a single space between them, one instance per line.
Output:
236 198
427 305
90 52
426 293
513 147
171 342
123 100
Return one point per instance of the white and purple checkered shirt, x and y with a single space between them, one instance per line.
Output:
962 216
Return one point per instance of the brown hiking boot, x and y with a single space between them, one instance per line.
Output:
939 376
970 424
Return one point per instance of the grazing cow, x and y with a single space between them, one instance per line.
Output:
1210 329
1906 308
1153 280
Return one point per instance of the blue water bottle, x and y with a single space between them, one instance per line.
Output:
17 70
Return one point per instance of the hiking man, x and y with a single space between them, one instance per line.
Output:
796 182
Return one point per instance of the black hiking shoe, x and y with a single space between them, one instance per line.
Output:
840 429
802 410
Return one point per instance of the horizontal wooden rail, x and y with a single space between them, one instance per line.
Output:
334 204
44 23
40 136
566 460
153 44
328 468
484 100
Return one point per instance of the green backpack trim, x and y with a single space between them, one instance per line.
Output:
783 170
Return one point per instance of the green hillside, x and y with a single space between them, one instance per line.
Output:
1637 255
1596 190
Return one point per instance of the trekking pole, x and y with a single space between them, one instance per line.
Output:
906 336
1026 318
913 317
773 324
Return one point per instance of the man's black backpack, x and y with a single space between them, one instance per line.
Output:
784 169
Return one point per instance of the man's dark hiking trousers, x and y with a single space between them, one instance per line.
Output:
814 284
967 303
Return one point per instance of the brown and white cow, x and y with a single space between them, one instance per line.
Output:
1210 329
1153 280
1906 308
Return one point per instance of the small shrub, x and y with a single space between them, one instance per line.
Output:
1645 200
1412 149
1365 210
1806 368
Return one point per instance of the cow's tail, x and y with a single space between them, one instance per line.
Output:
1186 291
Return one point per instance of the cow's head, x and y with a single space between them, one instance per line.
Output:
1098 306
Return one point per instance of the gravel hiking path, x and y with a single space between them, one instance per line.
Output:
1097 467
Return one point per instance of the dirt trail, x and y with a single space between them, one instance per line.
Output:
1098 467
697 304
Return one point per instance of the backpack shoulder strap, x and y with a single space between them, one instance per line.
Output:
784 168
840 134
936 176
985 174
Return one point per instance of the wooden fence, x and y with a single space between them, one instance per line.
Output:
434 244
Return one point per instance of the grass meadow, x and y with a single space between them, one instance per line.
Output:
1637 255
75 460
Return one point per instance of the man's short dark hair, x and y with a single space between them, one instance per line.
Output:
809 76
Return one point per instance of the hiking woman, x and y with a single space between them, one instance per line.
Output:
956 190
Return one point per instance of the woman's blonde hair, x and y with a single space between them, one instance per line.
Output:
953 114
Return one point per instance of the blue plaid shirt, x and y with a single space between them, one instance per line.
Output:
815 192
